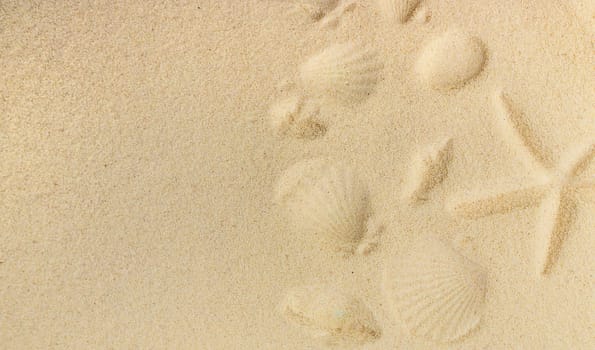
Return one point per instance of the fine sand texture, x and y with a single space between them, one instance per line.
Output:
297 174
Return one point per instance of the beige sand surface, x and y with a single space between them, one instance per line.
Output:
138 169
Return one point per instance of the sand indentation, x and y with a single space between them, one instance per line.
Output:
516 131
451 60
428 169
327 202
496 201
297 118
315 9
437 292
554 194
334 317
399 10
346 73
332 19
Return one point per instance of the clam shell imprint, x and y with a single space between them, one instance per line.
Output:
451 60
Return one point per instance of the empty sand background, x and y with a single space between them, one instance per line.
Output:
137 168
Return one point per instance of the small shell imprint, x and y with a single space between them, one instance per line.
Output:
343 72
428 169
327 201
335 317
293 117
435 291
316 9
397 9
451 60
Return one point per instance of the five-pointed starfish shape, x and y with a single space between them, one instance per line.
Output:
555 193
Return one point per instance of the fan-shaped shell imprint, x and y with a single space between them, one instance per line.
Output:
343 72
333 316
397 9
435 291
451 60
325 200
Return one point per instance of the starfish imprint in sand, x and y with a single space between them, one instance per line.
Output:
555 193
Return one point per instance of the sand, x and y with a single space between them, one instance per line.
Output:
141 157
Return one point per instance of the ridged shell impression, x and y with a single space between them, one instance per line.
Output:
325 200
334 317
435 291
342 72
451 60
399 10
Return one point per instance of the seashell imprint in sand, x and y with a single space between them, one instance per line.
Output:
295 117
335 317
346 73
399 10
331 20
450 60
437 292
327 202
429 168
316 9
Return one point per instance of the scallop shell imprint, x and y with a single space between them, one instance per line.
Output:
327 201
335 317
397 9
451 60
435 291
343 72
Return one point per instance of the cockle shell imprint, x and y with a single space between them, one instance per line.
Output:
295 117
316 9
327 201
428 169
343 72
437 292
450 60
333 316
399 10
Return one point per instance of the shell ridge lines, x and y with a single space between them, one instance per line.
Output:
345 73
399 10
456 298
327 201
444 309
